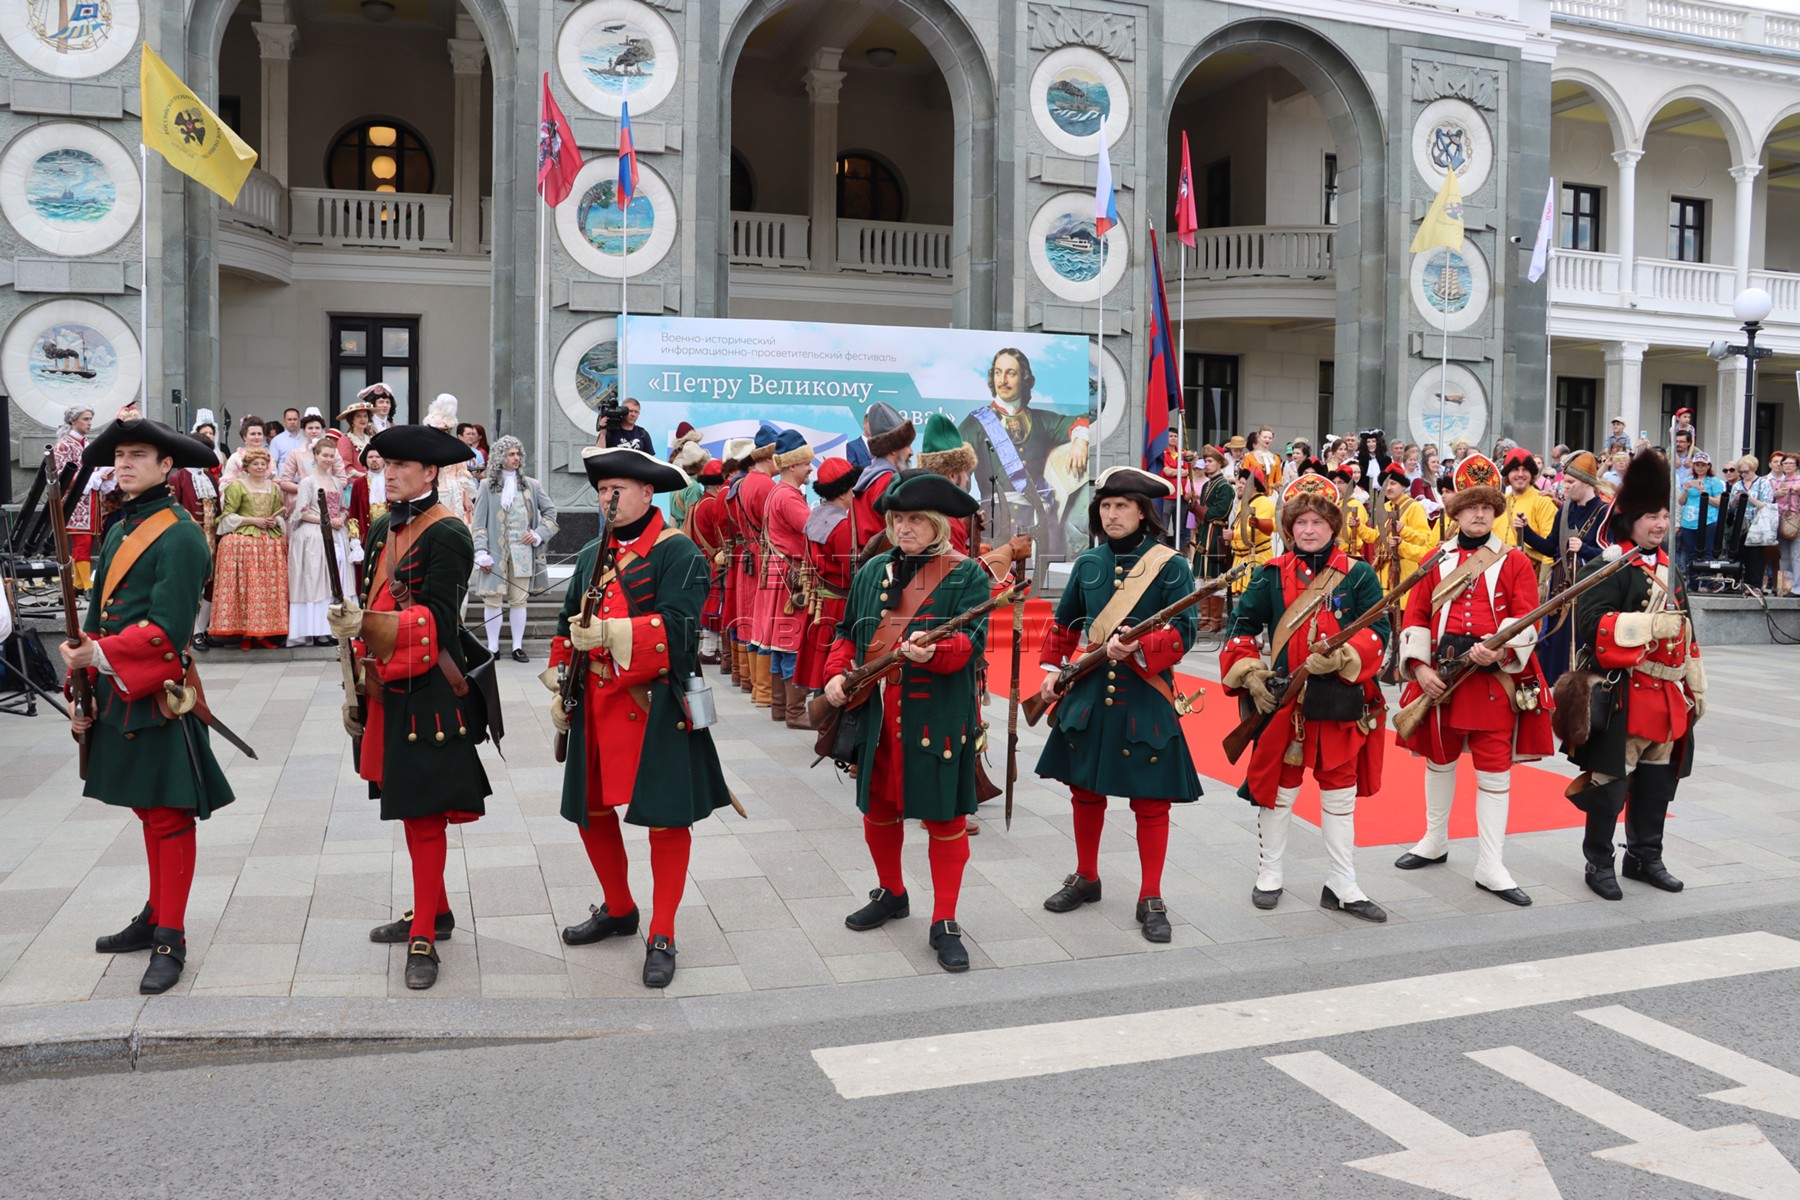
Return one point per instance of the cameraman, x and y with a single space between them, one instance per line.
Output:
626 432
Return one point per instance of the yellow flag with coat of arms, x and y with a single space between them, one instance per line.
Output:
188 134
1443 224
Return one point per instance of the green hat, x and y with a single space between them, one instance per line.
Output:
942 449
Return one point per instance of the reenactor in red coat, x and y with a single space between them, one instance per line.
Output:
733 617
831 530
750 503
708 526
1498 716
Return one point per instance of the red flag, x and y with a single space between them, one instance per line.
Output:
1186 220
558 159
1164 390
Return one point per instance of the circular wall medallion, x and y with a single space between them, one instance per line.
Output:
606 239
1463 412
1071 259
69 188
586 369
1118 402
1450 288
1072 90
70 39
611 52
68 352
1449 133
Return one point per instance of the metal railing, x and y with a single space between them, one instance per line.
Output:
371 219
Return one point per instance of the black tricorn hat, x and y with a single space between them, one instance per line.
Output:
1644 488
421 444
918 490
1132 481
625 462
186 451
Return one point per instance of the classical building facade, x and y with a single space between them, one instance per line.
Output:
912 162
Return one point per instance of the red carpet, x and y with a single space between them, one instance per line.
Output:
1395 816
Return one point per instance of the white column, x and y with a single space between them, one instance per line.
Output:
1625 389
1745 174
823 85
1723 434
276 43
466 58
1627 217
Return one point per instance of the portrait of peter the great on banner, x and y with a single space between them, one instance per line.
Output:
1034 460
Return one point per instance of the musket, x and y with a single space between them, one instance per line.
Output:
80 694
1463 667
859 684
346 655
568 685
1036 706
1012 702
1251 727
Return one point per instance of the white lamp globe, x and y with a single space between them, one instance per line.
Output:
1752 305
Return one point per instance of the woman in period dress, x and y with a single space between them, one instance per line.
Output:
250 575
309 585
251 436
514 522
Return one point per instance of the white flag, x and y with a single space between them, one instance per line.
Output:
1540 253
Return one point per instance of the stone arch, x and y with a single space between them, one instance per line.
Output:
969 77
1618 113
1737 132
1358 125
1774 123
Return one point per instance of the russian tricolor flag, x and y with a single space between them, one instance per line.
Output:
1164 390
628 173
1106 209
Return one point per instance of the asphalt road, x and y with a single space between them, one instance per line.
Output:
733 1103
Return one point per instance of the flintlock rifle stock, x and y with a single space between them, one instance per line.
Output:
81 695
1251 726
1462 667
568 690
346 656
1036 706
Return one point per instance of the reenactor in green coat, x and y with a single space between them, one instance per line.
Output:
1118 732
919 738
633 744
147 740
421 715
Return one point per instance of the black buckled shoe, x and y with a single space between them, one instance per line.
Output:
1603 883
168 954
1265 899
1412 862
1076 891
1512 895
600 926
1153 915
659 962
1368 910
139 935
883 906
397 932
421 964
1652 872
946 939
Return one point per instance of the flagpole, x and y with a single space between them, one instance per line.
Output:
1181 400
541 420
144 279
1100 338
624 293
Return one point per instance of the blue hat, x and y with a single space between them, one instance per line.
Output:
766 435
791 450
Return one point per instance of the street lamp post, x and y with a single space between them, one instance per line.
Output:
1752 307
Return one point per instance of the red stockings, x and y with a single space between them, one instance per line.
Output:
428 847
169 848
606 850
668 877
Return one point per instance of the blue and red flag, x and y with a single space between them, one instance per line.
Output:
1106 208
628 173
1164 390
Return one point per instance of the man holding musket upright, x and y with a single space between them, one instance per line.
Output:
778 621
749 502
633 748
1118 732
1212 539
830 554
918 743
1406 538
420 717
146 750
1499 715
734 606
1334 729
1637 626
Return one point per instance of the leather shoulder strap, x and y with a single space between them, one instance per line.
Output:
1452 584
1302 609
400 541
912 598
132 549
1137 581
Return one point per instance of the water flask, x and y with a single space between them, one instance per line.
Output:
702 712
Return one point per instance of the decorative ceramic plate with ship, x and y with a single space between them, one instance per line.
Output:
610 52
1072 91
69 189
67 352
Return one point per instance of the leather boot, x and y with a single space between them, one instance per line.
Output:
1601 802
168 954
1647 808
729 660
797 716
761 687
139 935
746 677
777 697
1212 611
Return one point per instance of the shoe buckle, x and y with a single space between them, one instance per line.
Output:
1154 904
407 915
419 946
594 910
952 929
1074 880
879 893
165 949
659 942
